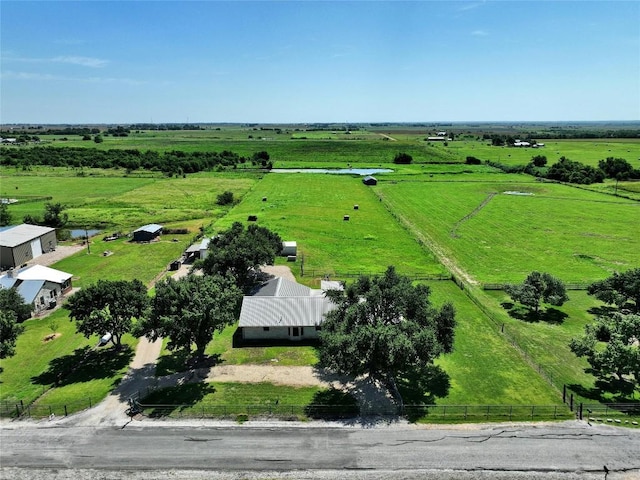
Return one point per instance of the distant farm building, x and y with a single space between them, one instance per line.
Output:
22 243
520 143
281 311
198 251
369 180
147 233
437 139
40 286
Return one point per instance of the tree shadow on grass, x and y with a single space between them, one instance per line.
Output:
332 404
602 310
180 360
610 390
549 315
85 364
168 401
422 387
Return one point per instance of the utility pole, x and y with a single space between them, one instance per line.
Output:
86 235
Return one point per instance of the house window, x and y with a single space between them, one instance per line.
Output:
266 329
317 328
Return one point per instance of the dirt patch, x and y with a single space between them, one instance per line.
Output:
61 252
51 337
279 271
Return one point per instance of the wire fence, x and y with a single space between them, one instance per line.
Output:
241 412
345 275
568 286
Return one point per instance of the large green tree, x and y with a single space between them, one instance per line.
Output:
240 252
12 301
5 215
190 310
537 288
109 306
9 331
610 345
619 289
385 327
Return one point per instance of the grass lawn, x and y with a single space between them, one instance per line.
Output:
82 374
215 399
129 260
221 348
34 354
577 235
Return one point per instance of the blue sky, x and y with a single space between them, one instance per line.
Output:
287 61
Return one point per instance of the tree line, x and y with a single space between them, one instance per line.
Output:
571 171
169 163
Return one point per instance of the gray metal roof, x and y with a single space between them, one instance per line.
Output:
196 247
14 236
151 228
7 282
281 287
284 311
29 289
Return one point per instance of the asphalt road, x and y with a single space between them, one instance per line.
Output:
140 450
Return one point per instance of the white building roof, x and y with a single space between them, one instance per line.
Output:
14 236
40 272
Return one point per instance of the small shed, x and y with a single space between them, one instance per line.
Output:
147 233
369 180
289 248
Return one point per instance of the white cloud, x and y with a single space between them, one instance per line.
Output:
69 59
470 6
479 33
83 61
11 75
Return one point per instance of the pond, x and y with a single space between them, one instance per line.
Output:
81 232
339 171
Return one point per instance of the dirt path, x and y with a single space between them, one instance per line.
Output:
388 137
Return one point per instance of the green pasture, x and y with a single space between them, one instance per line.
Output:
588 152
546 339
577 235
126 202
483 367
285 150
309 208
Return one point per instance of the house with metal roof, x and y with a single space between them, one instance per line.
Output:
282 312
147 233
40 286
370 180
22 243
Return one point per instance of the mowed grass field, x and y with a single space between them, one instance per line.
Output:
577 235
310 209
